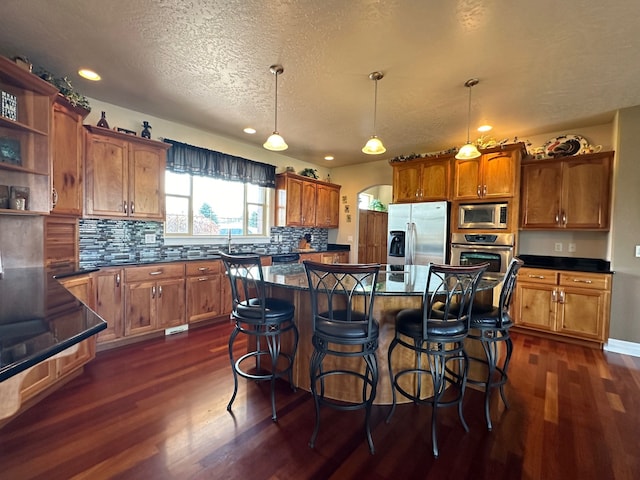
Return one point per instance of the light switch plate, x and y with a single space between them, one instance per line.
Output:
637 250
558 247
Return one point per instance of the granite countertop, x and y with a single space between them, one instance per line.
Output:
39 318
576 264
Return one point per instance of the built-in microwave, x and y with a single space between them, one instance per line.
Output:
487 216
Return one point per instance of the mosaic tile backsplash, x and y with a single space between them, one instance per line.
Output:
113 242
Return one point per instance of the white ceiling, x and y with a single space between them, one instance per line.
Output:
543 65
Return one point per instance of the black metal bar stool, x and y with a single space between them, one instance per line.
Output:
439 336
343 326
262 318
491 328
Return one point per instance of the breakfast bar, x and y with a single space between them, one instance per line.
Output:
398 287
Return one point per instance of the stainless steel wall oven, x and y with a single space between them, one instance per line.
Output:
474 248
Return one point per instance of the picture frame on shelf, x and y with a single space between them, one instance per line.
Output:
9 106
4 196
20 192
127 131
10 151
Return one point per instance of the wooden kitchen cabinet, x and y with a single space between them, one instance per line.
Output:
571 193
67 154
154 298
492 175
108 287
28 163
124 175
422 180
372 236
204 290
304 202
570 305
60 240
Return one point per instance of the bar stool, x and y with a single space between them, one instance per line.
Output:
491 328
438 335
263 319
342 298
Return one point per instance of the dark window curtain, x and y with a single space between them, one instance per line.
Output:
184 158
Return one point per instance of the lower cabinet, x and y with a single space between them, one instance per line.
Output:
569 305
108 298
154 298
205 290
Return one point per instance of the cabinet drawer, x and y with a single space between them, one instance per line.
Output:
154 272
203 268
538 275
585 280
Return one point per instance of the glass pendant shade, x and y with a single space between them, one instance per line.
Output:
467 152
374 146
275 142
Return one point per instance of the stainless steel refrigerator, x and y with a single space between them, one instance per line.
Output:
418 233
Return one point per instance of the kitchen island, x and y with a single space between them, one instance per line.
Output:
46 335
398 287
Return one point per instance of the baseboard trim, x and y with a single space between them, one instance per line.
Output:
622 346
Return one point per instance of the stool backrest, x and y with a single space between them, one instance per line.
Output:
342 293
450 292
247 282
508 286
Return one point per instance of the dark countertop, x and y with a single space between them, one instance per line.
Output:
576 264
39 318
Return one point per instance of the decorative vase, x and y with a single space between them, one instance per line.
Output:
103 121
146 132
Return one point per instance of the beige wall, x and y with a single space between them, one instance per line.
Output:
625 230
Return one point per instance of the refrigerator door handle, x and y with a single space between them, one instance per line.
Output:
412 242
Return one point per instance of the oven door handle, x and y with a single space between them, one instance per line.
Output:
497 248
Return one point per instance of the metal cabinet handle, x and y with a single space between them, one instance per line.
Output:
202 279
562 297
117 280
159 291
157 272
579 280
54 196
554 295
484 191
153 292
542 277
132 208
564 218
203 269
124 207
478 191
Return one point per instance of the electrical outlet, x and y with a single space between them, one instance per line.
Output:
571 248
558 247
149 238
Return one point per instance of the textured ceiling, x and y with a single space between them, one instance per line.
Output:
543 65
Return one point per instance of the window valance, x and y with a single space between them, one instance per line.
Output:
185 158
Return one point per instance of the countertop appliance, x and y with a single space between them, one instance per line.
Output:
418 233
487 216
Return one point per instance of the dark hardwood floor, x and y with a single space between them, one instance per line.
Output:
157 410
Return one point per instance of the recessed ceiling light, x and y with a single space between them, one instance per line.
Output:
329 157
484 128
89 74
250 130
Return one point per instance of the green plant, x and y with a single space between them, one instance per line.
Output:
66 89
309 172
377 205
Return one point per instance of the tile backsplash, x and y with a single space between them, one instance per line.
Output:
112 242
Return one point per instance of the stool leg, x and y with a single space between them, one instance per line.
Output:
315 369
509 344
273 342
293 356
393 344
371 376
232 338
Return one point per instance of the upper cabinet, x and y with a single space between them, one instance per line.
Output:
305 202
422 180
492 175
25 122
567 193
124 175
67 157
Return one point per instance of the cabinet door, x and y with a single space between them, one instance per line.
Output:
334 207
467 183
406 182
106 176
170 307
38 378
435 180
140 307
585 193
82 288
328 205
498 174
146 181
294 197
582 312
69 363
536 306
540 198
204 296
108 288
67 160
308 207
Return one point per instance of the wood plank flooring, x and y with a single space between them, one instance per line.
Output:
157 410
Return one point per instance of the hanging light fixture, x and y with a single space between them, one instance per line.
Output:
374 145
469 150
275 142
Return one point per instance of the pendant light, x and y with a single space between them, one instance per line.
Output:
275 142
374 145
469 151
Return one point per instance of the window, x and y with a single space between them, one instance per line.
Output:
208 207
364 200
